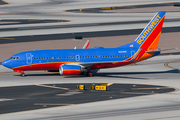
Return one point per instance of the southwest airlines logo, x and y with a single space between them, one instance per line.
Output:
148 30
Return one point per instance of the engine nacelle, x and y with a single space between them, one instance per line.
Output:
70 70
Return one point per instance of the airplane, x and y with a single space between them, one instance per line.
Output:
85 60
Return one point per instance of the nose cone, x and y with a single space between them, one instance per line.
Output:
6 63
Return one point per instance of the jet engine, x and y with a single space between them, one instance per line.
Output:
71 70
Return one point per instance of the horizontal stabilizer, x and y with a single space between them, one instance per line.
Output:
160 50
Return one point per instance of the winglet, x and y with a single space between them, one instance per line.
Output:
86 45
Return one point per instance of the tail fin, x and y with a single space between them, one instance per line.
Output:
149 38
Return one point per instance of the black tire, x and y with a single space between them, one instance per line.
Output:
89 74
22 74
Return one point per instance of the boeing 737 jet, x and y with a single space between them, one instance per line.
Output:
83 61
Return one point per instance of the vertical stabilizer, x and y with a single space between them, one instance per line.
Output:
149 38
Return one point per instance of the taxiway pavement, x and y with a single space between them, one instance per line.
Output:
39 96
150 72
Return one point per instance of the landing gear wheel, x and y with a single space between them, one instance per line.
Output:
89 74
22 74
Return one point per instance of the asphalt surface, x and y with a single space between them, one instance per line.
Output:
37 98
31 38
25 21
139 84
100 10
66 26
22 98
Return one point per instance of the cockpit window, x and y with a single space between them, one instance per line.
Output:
15 58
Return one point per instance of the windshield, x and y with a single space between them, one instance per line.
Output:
14 58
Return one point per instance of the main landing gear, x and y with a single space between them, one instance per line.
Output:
89 74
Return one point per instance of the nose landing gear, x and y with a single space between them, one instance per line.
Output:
20 71
22 74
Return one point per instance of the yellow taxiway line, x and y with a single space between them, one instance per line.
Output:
166 64
8 38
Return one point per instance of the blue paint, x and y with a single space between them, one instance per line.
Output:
80 56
